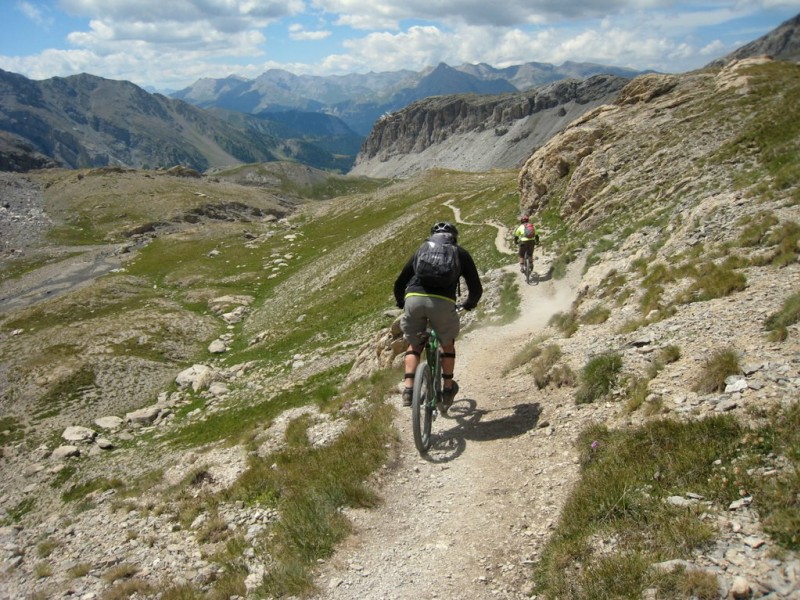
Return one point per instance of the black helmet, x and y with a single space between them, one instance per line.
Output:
445 227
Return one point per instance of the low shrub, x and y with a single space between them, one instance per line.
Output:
599 376
543 365
789 314
565 322
716 368
596 315
715 281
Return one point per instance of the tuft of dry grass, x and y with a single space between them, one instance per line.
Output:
717 367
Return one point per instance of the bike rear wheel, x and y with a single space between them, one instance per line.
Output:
528 267
422 408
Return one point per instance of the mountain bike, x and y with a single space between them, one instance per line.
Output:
426 399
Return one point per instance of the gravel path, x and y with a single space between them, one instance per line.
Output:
469 519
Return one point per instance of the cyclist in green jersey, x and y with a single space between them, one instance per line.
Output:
526 238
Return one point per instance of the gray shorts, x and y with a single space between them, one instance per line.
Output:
440 313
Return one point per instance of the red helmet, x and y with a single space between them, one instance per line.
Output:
523 219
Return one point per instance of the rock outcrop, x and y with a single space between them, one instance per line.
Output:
619 145
477 133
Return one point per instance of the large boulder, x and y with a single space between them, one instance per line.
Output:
199 377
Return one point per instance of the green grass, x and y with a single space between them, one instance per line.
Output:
771 131
531 350
716 368
789 314
309 487
64 392
236 424
626 476
543 365
754 232
22 508
11 430
612 285
566 322
118 299
784 241
510 299
596 315
637 391
714 281
598 377
80 491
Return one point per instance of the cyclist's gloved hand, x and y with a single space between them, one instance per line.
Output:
401 304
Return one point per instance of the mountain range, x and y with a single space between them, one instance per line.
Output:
360 99
88 121
323 122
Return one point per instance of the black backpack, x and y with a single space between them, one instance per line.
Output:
436 262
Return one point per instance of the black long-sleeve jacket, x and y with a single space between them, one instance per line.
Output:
407 283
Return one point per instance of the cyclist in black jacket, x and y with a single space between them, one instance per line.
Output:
437 306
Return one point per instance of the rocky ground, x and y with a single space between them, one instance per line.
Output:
470 520
467 521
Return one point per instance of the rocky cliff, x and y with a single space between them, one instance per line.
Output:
477 133
679 126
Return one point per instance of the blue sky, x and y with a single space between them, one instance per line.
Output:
170 44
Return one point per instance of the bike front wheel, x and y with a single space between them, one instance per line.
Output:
422 403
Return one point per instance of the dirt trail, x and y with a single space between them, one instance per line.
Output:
468 520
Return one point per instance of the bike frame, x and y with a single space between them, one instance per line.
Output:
427 391
433 356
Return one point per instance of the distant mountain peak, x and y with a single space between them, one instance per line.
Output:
782 43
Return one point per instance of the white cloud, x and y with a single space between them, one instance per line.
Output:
310 35
35 13
183 10
420 47
171 43
177 21
713 50
170 36
414 49
386 14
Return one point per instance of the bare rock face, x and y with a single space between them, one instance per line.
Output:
475 133
646 88
381 352
554 161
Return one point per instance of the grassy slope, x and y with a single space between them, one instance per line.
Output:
319 281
